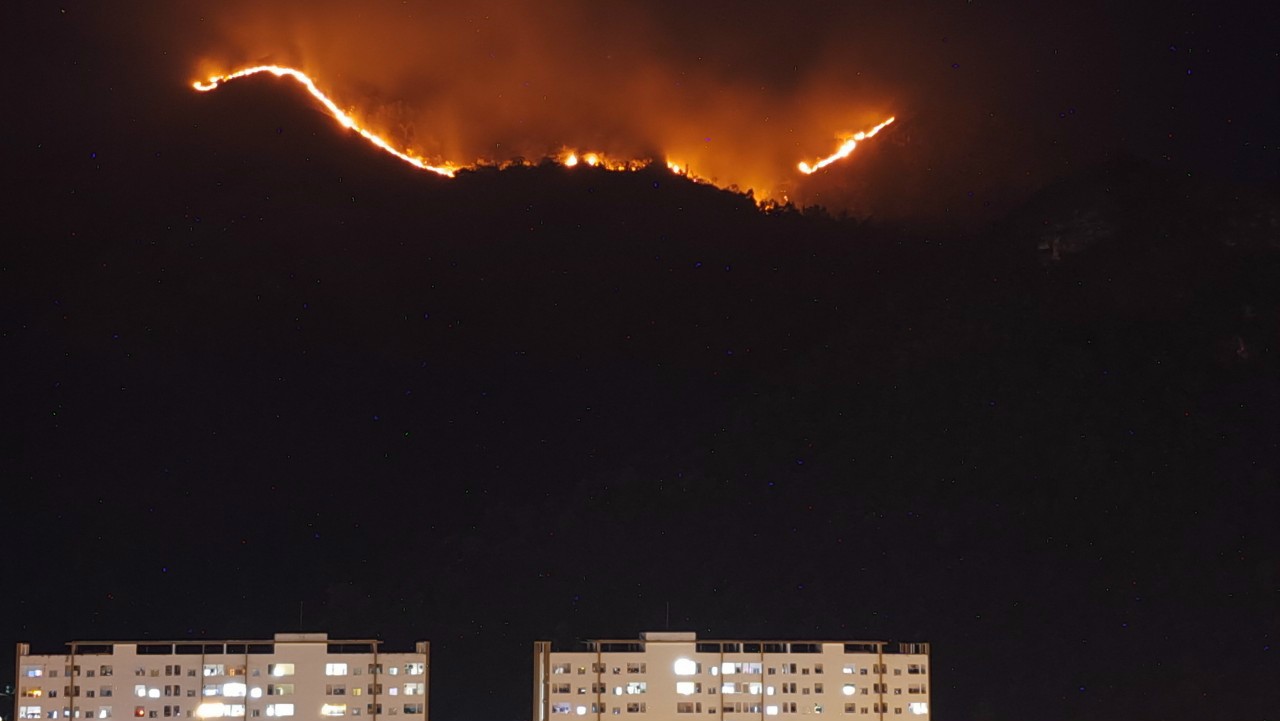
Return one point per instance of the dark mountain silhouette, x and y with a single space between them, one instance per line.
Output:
281 333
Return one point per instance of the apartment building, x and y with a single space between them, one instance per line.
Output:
304 675
669 675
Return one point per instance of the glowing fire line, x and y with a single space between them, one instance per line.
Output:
568 158
845 148
343 118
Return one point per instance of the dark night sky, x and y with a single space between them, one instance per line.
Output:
250 364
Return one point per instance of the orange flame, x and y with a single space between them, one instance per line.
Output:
343 118
845 148
568 158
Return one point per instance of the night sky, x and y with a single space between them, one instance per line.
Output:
1013 389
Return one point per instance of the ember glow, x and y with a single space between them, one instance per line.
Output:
567 157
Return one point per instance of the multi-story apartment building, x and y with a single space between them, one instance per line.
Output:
675 675
304 675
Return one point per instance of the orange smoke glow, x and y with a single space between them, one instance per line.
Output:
568 157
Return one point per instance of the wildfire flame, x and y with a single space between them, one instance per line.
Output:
568 157
845 148
343 118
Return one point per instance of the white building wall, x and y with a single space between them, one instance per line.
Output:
302 676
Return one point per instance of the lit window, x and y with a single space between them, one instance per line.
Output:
335 669
280 709
686 688
754 688
234 689
255 692
686 667
140 691
637 687
215 669
848 689
32 672
29 711
153 693
770 710
414 689
211 710
919 708
280 669
415 669
582 710
333 709
728 667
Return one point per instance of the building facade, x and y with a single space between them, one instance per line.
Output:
675 675
303 675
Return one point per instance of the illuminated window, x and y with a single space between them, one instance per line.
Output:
770 710
140 690
848 689
729 687
415 669
560 708
687 688
104 712
280 669
209 710
335 669
280 709
918 708
754 688
560 668
414 689
333 709
686 667
33 672
582 710
29 712
234 689
215 669
637 687
153 693
255 692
